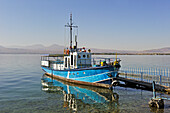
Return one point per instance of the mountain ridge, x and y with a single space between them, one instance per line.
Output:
55 48
160 50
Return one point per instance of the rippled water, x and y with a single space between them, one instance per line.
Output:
21 89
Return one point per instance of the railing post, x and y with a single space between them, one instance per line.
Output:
168 78
100 63
85 63
154 74
156 77
153 86
93 62
141 76
163 74
125 74
160 79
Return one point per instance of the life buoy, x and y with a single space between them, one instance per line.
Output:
64 51
68 51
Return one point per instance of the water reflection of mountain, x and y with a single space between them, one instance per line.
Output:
82 98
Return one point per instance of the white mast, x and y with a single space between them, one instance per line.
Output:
71 26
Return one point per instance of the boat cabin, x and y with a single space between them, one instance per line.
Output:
73 59
77 59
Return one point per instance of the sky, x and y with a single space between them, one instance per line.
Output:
107 24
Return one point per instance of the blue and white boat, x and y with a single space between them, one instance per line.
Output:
78 66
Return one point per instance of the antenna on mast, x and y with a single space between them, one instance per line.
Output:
70 25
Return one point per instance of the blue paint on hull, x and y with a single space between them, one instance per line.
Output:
92 75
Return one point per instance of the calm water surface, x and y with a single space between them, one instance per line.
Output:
21 89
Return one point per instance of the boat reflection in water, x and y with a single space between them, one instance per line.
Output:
82 98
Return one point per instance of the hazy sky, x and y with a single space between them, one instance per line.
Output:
109 24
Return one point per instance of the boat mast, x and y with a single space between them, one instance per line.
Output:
71 26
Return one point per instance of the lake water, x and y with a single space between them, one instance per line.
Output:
21 89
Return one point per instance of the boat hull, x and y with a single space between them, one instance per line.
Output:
98 76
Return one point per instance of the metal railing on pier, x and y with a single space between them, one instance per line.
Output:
159 75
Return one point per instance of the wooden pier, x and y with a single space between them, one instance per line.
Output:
144 77
141 84
159 75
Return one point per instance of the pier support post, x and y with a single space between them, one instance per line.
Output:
154 92
156 102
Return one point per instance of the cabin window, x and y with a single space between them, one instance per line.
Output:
79 56
71 59
65 62
75 61
68 62
84 56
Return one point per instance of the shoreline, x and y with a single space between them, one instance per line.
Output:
101 53
131 53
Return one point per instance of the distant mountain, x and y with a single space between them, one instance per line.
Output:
161 50
37 49
1 47
53 49
36 46
94 50
12 50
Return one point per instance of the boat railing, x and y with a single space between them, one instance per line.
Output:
53 62
96 62
99 60
57 61
51 58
